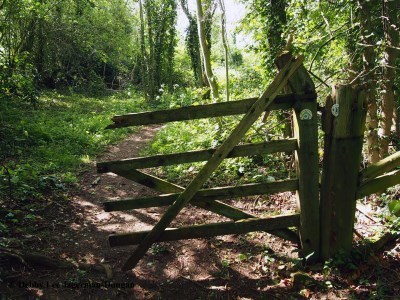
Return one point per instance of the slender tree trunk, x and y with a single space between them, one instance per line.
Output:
200 70
40 42
206 51
225 43
143 67
390 23
151 60
369 80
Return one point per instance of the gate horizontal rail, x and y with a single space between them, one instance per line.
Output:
219 193
209 230
195 156
205 111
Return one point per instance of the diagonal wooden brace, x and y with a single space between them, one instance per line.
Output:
237 134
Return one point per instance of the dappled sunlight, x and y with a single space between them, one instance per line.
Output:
111 222
268 197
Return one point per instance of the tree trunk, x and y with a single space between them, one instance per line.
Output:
225 43
143 66
151 60
193 46
369 80
390 23
206 51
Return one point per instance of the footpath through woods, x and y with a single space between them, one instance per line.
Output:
75 230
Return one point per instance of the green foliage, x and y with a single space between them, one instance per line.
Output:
42 149
210 133
394 207
182 71
72 42
270 16
19 80
193 47
343 261
180 96
325 32
158 45
236 58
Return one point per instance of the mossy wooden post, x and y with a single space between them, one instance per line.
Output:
344 128
306 155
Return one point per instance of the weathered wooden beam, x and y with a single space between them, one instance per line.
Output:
194 156
214 206
209 230
381 167
305 121
219 193
379 184
150 181
233 139
203 111
341 169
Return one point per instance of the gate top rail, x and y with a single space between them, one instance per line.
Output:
192 112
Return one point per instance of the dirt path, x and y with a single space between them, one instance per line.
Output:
76 228
223 266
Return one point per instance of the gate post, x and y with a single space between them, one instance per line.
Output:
344 121
305 123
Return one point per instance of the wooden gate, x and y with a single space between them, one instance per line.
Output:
292 76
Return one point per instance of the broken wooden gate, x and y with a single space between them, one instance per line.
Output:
303 103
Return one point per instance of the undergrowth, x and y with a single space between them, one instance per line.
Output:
211 133
44 147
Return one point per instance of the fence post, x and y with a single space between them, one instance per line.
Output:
305 123
344 121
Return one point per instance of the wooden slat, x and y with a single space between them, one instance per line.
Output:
150 181
219 193
233 139
194 156
385 165
209 230
203 111
379 184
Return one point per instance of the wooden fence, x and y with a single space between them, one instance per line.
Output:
323 227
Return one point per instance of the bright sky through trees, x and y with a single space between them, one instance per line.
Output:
234 12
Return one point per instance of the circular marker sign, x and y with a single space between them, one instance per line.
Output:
335 110
305 114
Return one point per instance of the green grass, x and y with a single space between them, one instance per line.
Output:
44 147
